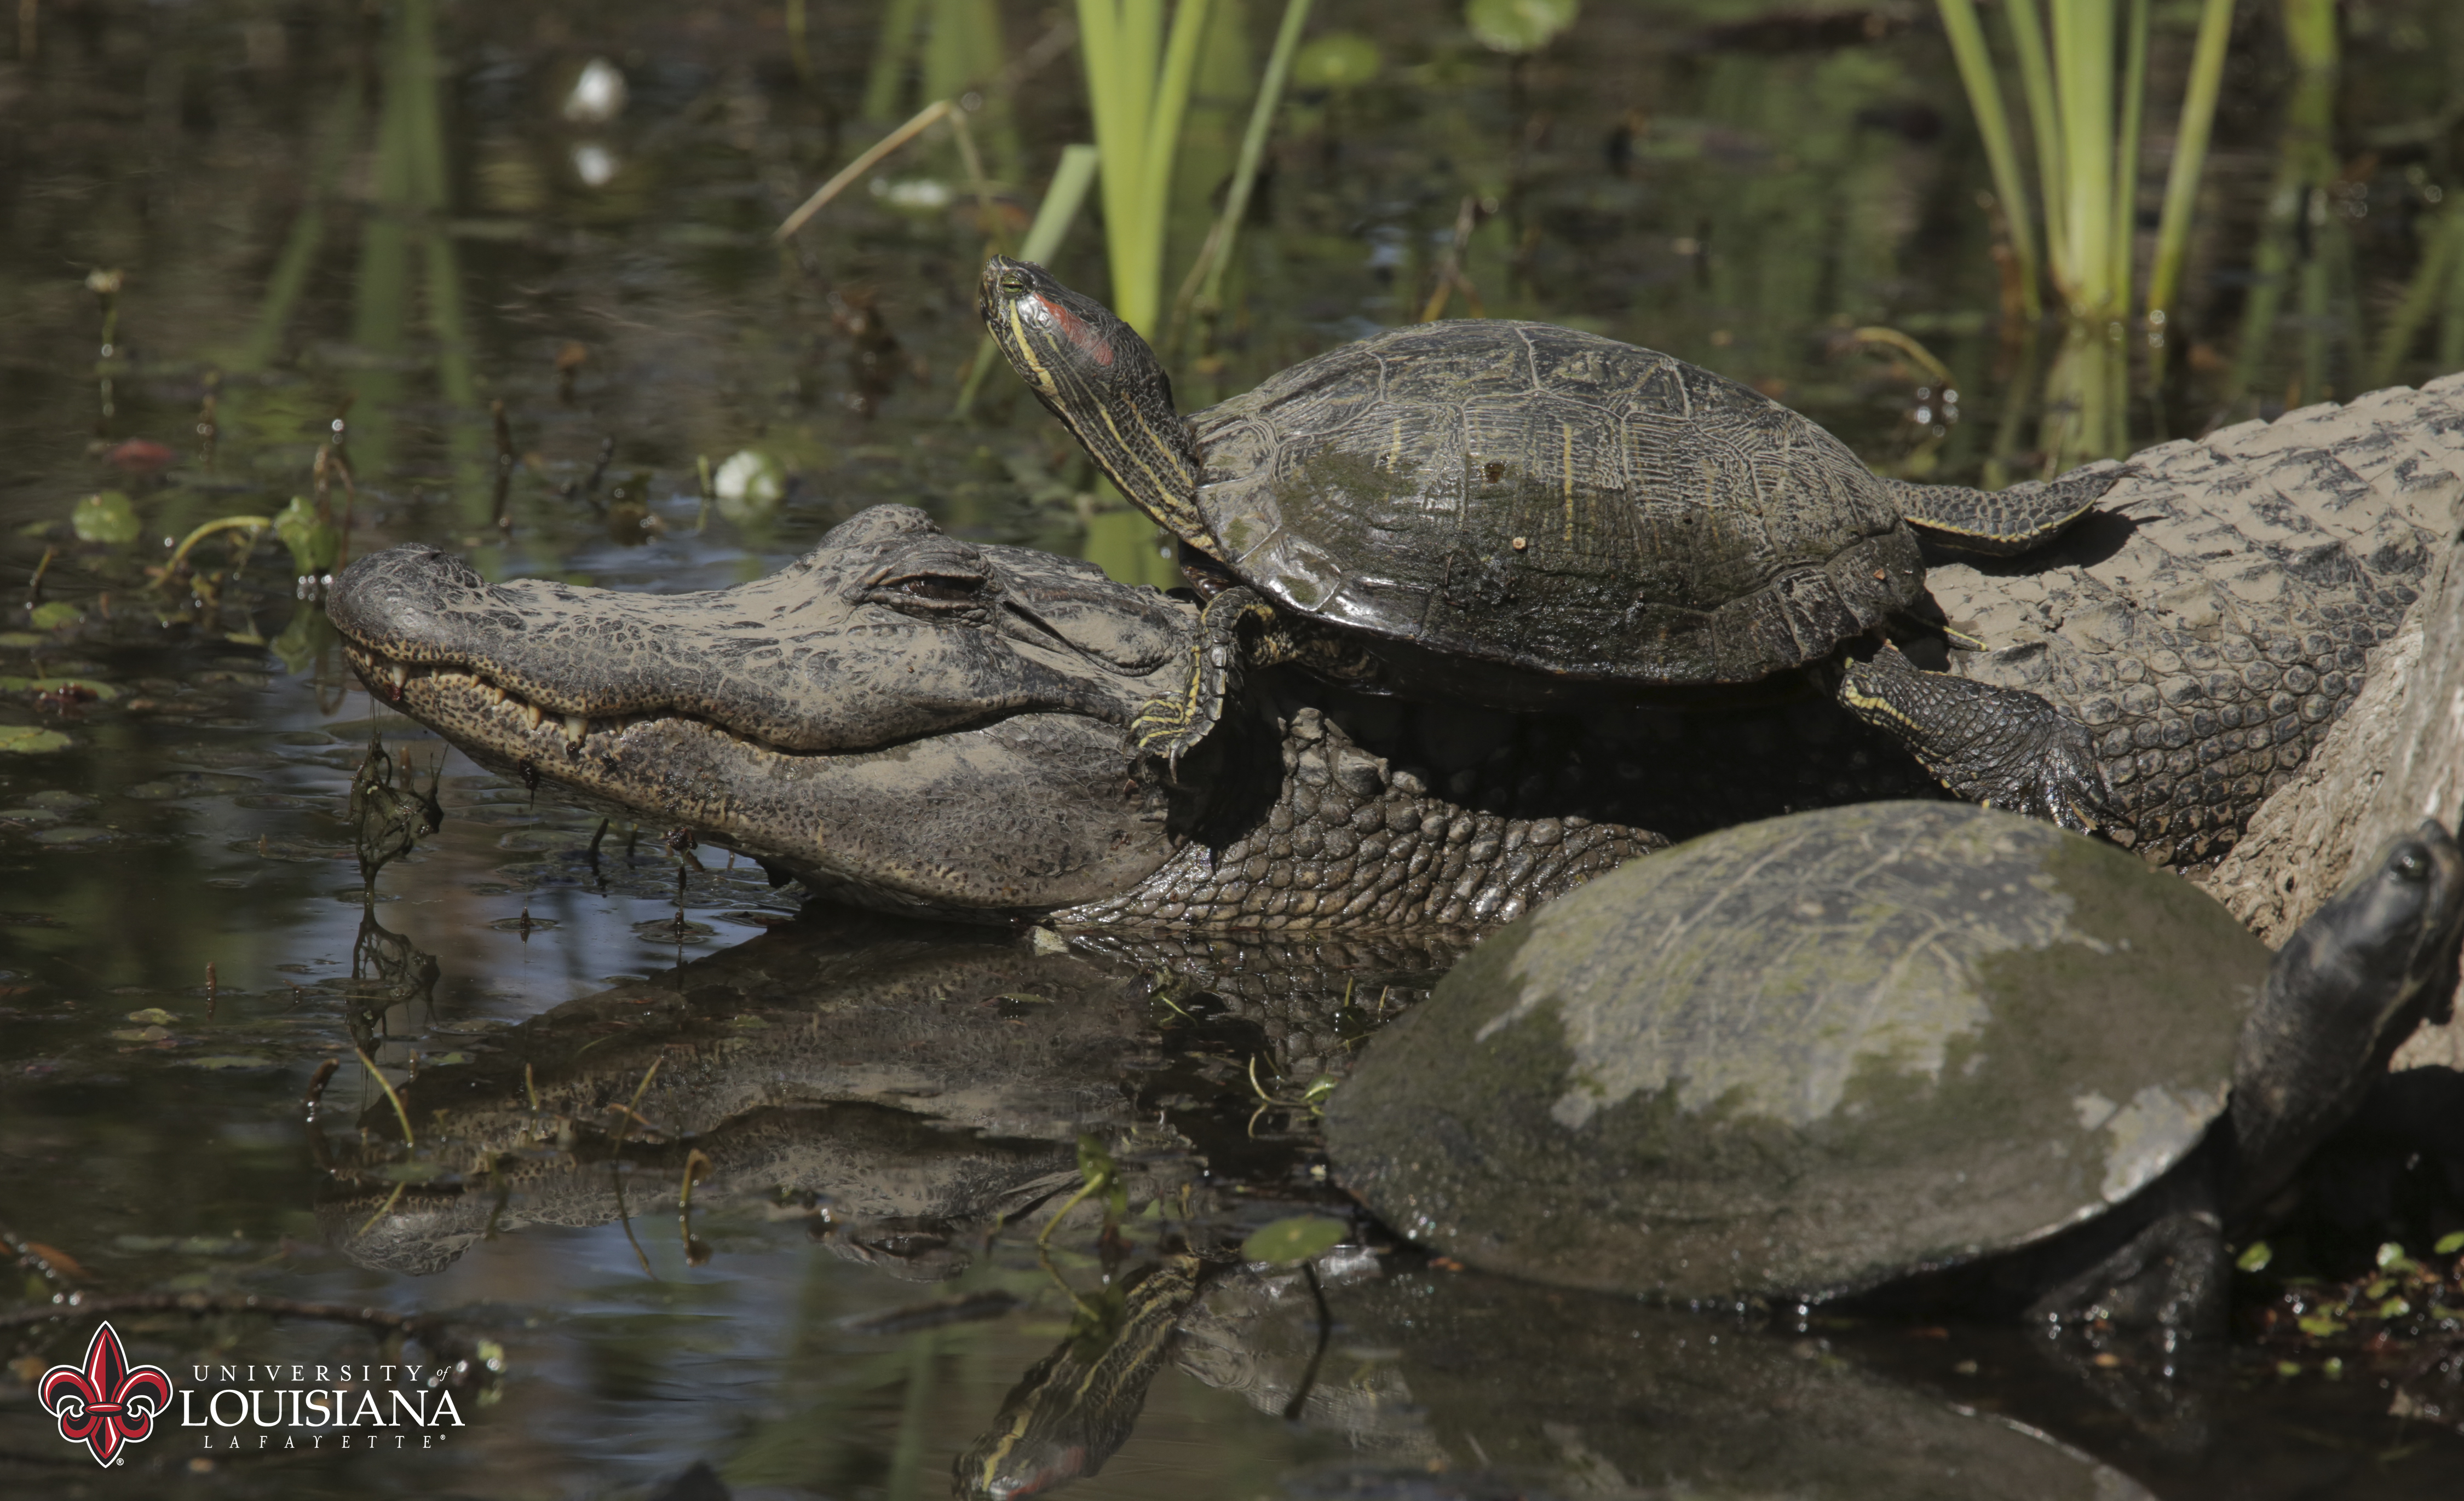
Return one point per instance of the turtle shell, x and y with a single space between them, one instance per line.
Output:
1805 1056
1552 502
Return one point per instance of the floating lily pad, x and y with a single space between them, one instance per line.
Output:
228 1063
54 615
515 924
1337 61
31 739
141 1034
107 518
1293 1240
154 1015
1519 26
74 836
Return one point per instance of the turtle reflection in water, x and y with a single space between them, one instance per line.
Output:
1826 1054
1531 517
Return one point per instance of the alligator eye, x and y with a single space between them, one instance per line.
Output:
943 588
2412 863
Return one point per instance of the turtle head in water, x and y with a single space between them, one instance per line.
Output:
1095 373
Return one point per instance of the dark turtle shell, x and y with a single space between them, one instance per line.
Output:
1555 501
1805 1056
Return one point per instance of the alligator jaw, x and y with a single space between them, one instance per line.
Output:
916 826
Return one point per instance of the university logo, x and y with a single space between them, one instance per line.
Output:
106 1403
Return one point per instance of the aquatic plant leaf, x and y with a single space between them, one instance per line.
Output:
314 543
2449 1244
31 739
1294 1240
54 615
1519 26
106 517
1337 61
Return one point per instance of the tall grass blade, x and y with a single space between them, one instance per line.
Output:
2125 155
1993 123
887 79
335 143
2083 75
1058 209
2044 120
922 121
1138 89
2190 159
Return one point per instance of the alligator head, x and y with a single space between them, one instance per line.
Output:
900 717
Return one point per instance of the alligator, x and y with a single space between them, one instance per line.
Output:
909 721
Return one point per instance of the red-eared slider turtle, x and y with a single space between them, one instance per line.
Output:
1529 515
1817 1054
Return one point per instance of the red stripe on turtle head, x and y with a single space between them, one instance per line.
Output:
1075 329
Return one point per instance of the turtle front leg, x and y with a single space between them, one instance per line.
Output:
1171 724
2004 747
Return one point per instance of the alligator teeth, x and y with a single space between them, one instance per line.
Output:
531 715
575 728
398 675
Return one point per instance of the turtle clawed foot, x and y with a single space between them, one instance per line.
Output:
2068 787
1165 731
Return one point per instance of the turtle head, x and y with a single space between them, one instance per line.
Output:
2343 993
1104 383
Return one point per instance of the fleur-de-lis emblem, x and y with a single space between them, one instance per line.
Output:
106 1403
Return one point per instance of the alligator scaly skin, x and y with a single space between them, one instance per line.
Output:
2214 618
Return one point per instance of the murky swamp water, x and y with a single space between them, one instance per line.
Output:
352 229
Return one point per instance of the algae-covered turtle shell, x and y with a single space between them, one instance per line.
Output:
1806 1055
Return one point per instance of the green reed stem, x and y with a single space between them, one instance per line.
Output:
1138 89
2190 159
2126 157
1253 149
2083 75
887 77
2037 86
1993 123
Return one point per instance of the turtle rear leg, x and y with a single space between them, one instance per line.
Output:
1171 724
2004 522
2004 747
2170 1276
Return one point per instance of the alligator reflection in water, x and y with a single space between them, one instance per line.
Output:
919 1090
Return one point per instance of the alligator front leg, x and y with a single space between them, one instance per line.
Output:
2003 747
